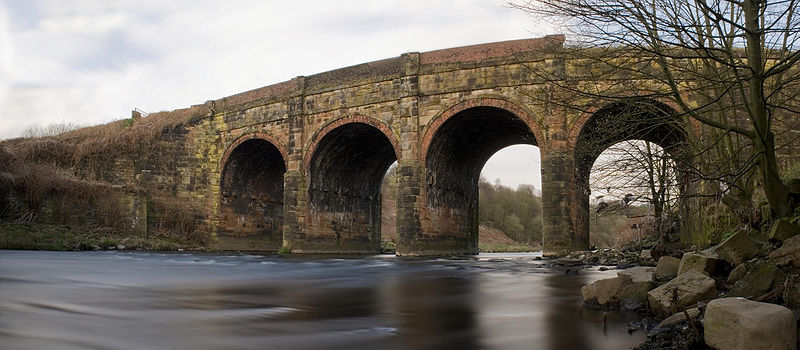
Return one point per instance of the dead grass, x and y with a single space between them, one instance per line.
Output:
58 167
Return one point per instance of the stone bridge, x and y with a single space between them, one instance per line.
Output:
299 164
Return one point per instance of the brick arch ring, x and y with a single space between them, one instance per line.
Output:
501 103
577 126
254 136
334 124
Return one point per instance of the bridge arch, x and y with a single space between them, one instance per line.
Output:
627 120
500 103
345 165
251 193
454 149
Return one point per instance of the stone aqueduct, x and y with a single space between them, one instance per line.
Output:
299 164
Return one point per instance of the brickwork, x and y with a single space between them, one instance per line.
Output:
439 114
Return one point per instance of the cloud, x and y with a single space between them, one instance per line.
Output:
90 62
515 165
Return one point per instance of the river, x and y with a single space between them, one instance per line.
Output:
145 300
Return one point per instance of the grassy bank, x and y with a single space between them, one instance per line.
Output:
69 238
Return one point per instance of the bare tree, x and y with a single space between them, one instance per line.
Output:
729 67
635 172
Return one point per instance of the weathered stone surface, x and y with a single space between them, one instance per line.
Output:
679 317
788 253
738 248
685 290
605 292
737 273
792 295
569 262
667 268
438 114
646 254
702 262
783 230
760 278
639 274
633 295
738 323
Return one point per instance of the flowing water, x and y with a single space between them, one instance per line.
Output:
136 300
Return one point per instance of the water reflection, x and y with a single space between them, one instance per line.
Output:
433 312
123 300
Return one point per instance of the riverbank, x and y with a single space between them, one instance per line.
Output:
744 288
34 236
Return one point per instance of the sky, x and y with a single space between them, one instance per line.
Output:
89 62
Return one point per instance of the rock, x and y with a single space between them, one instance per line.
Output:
783 230
569 262
686 289
603 268
792 295
702 262
758 280
646 254
738 323
738 248
667 268
679 317
788 253
737 273
639 274
605 292
633 295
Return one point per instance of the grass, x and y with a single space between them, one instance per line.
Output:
69 238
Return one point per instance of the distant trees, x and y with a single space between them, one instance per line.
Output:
517 212
636 171
729 67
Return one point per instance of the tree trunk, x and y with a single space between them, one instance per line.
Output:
764 140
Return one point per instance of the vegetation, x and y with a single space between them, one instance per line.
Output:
63 237
516 212
729 68
58 174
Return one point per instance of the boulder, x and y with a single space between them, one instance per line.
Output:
783 230
738 248
738 323
685 290
646 254
667 268
605 292
737 273
633 295
759 279
788 253
792 295
639 274
704 262
679 317
569 262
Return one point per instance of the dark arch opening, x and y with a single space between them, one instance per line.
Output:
252 197
455 157
635 119
346 172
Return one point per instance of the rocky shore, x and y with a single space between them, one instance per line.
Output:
743 293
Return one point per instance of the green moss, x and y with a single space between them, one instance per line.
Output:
285 250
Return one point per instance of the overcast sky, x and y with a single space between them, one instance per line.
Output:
90 62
